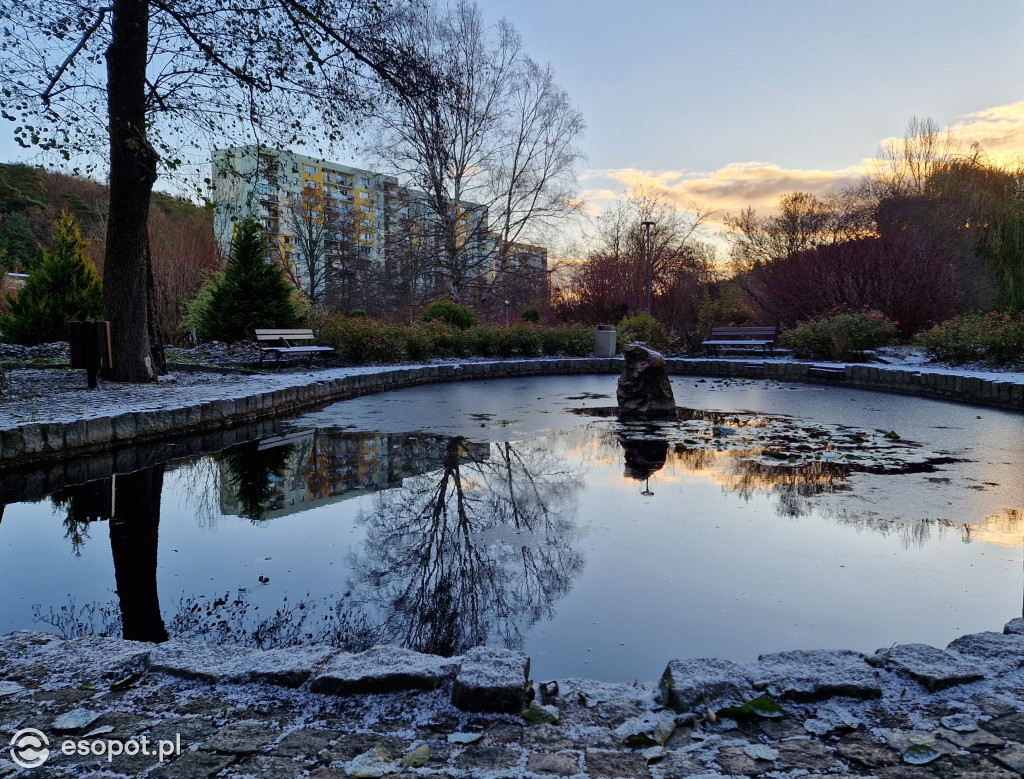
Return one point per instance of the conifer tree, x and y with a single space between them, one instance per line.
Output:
65 287
252 292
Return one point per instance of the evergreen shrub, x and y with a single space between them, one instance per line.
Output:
250 293
450 312
65 287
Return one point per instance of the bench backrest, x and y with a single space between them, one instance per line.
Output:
743 332
267 335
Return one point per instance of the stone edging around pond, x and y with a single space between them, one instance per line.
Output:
36 441
826 710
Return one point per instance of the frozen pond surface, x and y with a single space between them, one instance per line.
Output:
449 515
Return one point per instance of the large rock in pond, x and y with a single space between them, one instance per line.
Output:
644 390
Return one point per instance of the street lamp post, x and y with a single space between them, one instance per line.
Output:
507 304
647 226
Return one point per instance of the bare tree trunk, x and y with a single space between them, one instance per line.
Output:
132 175
156 338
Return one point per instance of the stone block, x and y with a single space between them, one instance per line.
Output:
124 427
289 667
1014 626
995 653
53 436
932 667
383 669
492 679
810 675
31 439
687 684
75 434
99 431
197 660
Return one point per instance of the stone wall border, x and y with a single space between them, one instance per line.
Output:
41 441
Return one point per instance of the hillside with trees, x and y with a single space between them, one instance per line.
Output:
181 233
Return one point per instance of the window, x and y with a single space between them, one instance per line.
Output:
287 240
366 209
364 195
310 185
309 170
364 182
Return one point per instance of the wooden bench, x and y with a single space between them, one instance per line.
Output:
827 370
741 338
282 343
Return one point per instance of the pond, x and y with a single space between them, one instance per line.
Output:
523 513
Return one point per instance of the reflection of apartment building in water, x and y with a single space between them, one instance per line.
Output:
358 217
324 467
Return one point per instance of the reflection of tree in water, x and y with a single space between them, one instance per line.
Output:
130 503
473 553
251 472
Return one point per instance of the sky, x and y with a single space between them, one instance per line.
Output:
732 103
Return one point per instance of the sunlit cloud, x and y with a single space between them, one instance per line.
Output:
758 185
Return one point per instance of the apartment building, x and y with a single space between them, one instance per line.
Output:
329 222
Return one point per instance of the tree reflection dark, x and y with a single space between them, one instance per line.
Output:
472 554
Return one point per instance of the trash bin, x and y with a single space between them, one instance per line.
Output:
604 341
90 347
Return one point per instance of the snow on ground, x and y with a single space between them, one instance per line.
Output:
61 394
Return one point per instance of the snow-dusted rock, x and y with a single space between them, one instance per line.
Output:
492 679
932 667
995 653
197 660
688 685
76 719
289 667
383 669
810 675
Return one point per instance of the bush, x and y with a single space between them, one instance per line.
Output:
65 287
360 340
452 313
642 327
531 315
432 339
993 337
574 340
840 336
522 340
250 293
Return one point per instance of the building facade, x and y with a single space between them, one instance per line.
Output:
353 237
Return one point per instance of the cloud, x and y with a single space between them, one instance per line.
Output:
999 130
759 185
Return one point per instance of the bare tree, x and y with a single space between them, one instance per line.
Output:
145 78
612 281
908 164
319 233
801 222
496 140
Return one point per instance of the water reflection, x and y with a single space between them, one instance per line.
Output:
130 504
467 543
472 554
